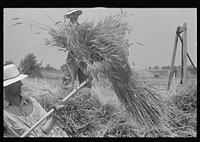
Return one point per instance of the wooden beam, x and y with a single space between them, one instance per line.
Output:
173 59
185 54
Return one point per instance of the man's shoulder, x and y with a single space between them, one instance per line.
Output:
30 99
25 97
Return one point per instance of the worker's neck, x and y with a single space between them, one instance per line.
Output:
73 21
14 99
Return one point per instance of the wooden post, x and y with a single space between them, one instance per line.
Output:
173 58
185 54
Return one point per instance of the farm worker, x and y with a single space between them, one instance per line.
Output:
21 112
72 65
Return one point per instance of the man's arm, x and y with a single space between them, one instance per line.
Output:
8 132
48 126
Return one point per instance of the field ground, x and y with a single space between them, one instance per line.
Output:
98 113
52 74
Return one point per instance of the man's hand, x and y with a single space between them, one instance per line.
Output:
59 106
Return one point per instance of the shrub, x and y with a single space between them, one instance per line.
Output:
29 66
8 62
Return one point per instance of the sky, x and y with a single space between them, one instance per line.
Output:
154 28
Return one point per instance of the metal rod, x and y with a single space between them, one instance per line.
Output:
52 110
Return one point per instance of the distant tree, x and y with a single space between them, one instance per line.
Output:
29 66
156 67
49 68
165 67
149 67
42 68
133 63
8 62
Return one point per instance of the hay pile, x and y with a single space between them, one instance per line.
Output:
187 101
182 112
85 115
181 107
104 48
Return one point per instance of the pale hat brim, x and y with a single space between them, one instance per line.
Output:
13 80
77 12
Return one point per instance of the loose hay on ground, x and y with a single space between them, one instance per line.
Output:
85 115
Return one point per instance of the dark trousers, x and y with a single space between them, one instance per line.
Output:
82 77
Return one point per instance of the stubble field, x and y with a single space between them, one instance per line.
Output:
97 112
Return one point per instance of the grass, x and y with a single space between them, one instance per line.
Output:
52 74
87 115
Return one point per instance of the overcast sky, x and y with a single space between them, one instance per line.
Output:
154 28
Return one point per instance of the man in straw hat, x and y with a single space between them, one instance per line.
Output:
73 15
72 66
20 112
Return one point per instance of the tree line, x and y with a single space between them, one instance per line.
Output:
190 68
29 65
162 67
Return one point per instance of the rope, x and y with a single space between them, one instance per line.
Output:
187 52
44 55
48 16
191 62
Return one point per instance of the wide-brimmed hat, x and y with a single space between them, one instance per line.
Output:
11 75
73 12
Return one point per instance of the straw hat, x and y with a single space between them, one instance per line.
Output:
11 75
73 12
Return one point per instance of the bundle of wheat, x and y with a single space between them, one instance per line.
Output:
104 48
